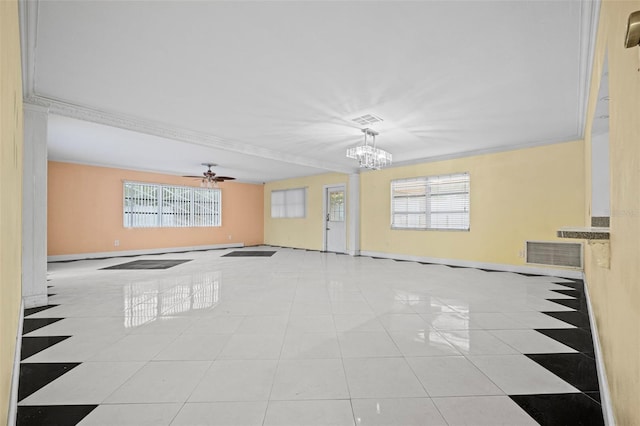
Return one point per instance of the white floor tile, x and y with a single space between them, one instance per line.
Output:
141 347
483 411
163 325
310 379
309 413
131 415
78 348
367 345
88 383
422 343
477 342
194 347
452 376
161 381
395 322
517 374
350 307
495 321
310 346
263 324
357 323
253 346
538 320
311 324
449 321
396 412
236 380
221 414
381 378
214 324
531 342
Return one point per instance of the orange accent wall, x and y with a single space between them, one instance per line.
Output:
85 213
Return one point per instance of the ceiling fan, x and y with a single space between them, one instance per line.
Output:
209 178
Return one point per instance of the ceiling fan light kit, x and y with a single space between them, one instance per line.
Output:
368 155
209 179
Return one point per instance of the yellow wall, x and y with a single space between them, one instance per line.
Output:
515 196
85 213
305 232
10 194
615 292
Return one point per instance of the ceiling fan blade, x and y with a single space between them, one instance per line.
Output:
223 178
195 177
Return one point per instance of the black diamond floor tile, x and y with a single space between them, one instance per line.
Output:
50 415
31 311
573 293
250 253
576 338
31 324
34 376
576 369
575 409
595 396
576 318
574 284
33 345
150 264
579 305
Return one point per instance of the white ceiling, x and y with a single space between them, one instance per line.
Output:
268 89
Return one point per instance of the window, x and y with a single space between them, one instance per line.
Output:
434 202
148 205
288 203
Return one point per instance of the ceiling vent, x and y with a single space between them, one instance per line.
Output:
367 119
554 253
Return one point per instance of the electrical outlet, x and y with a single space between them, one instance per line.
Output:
116 243
229 236
521 253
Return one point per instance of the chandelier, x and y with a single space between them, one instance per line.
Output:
368 156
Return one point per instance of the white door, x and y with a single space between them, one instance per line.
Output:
335 228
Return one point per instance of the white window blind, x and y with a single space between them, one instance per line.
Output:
433 202
288 203
149 205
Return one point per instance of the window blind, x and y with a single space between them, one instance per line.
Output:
154 205
288 203
433 202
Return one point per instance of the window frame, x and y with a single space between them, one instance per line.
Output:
427 213
287 214
194 202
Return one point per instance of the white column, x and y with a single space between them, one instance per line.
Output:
34 207
354 214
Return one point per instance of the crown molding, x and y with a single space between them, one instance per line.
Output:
588 29
28 11
149 127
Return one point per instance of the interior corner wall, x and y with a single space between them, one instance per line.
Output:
304 232
11 139
85 213
615 291
515 196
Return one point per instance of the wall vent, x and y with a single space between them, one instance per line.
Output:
554 253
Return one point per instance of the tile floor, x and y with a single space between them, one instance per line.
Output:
305 338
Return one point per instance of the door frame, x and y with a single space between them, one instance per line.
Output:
325 191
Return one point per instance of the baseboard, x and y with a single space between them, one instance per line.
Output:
125 253
13 397
605 395
563 273
35 301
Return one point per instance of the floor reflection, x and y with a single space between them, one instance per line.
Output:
147 301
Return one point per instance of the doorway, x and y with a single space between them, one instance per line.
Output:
335 229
